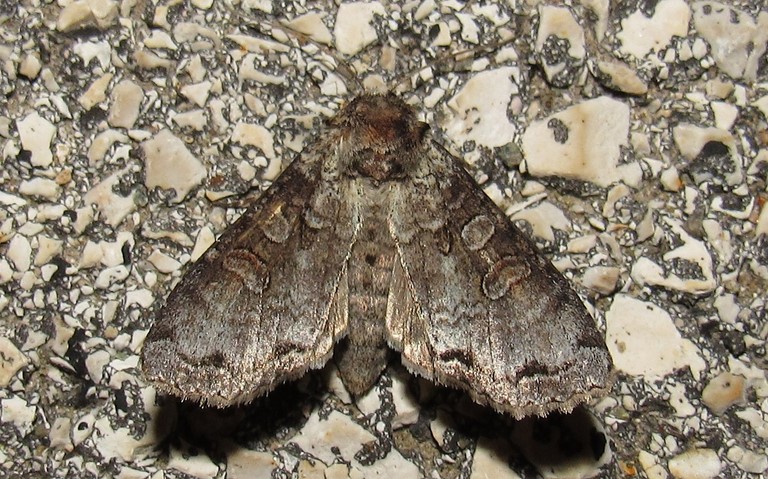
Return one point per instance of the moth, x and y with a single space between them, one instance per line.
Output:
375 237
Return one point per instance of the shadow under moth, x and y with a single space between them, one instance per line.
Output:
376 237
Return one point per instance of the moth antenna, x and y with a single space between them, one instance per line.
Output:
446 62
342 67
281 31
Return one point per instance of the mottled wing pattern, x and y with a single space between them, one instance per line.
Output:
474 305
268 300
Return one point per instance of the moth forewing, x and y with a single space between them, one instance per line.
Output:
376 232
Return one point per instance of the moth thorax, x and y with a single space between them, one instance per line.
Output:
380 166
381 135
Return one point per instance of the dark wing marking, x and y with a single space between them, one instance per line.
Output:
474 305
268 300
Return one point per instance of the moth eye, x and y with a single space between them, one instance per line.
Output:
249 268
504 274
477 232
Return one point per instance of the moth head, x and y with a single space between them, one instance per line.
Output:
380 136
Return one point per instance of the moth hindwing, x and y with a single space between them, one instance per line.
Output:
376 236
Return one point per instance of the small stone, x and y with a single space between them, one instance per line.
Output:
406 407
96 93
336 471
36 135
557 24
724 391
247 134
159 39
170 165
353 30
205 239
83 13
602 279
479 109
111 205
748 461
48 248
41 187
582 142
582 244
755 419
469 29
312 25
83 429
544 218
88 51
737 42
11 361
680 402
618 76
320 437
643 340
192 461
257 45
30 66
95 364
246 171
19 253
109 276
491 460
443 36
574 445
147 60
197 93
645 271
59 437
711 153
103 142
163 262
246 464
695 464
725 114
17 411
651 466
126 104
640 35
7 199
670 179
727 307
762 221
194 119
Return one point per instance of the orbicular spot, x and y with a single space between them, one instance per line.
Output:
503 275
477 232
251 270
276 227
323 208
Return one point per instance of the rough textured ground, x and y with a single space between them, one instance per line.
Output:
630 141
